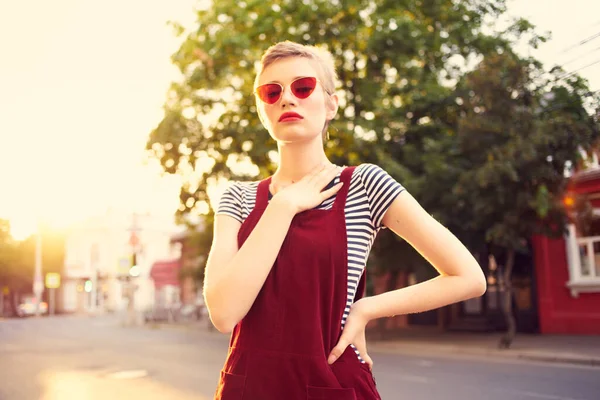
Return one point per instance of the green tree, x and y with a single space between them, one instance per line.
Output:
17 258
8 254
516 135
396 61
198 242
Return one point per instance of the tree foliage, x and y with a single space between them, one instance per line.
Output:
483 151
516 137
17 258
394 60
397 62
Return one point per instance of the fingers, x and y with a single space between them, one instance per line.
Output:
331 191
326 176
366 358
315 172
338 350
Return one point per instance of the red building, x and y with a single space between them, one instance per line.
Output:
556 282
568 269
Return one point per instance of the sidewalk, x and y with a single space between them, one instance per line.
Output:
582 350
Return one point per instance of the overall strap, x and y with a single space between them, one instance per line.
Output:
262 193
342 194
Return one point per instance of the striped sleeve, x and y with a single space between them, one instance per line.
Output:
231 203
381 191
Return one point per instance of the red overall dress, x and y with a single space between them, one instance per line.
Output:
279 350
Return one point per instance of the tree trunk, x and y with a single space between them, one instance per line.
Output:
507 309
14 303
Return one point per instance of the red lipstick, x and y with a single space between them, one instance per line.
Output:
290 116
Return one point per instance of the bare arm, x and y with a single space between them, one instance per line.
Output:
233 277
460 277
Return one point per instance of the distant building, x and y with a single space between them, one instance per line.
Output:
99 256
568 269
556 282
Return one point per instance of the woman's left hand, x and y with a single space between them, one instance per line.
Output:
353 333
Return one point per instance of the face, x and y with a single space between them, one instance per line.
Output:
292 118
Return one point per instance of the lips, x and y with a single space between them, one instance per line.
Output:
290 116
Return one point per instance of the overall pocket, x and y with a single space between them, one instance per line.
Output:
231 387
319 393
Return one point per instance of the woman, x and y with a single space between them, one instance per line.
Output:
285 271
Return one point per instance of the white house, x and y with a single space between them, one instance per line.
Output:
99 256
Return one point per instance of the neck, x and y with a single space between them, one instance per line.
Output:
298 159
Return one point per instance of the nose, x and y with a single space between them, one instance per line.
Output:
287 98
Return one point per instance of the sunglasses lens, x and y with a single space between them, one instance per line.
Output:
269 93
303 87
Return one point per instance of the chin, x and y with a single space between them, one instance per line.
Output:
293 135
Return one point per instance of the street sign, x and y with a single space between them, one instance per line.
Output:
124 265
52 280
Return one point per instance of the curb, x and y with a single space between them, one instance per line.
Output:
559 359
422 348
526 355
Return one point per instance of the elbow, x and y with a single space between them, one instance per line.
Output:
478 285
473 285
222 325
221 320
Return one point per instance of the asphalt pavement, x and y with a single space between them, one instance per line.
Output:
80 358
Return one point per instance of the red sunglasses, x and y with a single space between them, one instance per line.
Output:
270 93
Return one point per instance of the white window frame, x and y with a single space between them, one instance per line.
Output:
578 281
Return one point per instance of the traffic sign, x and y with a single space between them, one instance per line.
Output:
124 265
52 280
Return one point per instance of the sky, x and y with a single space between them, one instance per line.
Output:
82 84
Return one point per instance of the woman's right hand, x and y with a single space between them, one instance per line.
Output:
307 192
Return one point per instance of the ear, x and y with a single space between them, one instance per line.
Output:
332 106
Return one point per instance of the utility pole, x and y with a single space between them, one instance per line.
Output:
38 284
94 277
130 282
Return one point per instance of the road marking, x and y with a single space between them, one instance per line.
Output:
541 395
415 378
131 374
425 363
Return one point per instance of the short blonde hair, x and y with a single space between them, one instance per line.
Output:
324 61
287 49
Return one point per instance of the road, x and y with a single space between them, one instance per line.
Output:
81 358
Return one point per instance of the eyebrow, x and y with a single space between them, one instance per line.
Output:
293 79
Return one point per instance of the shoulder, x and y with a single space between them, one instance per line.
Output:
371 174
241 189
238 199
367 169
379 187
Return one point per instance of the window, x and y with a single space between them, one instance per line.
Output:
583 253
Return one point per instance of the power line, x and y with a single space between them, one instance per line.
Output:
579 57
579 69
584 41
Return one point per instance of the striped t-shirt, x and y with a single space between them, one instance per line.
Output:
371 192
